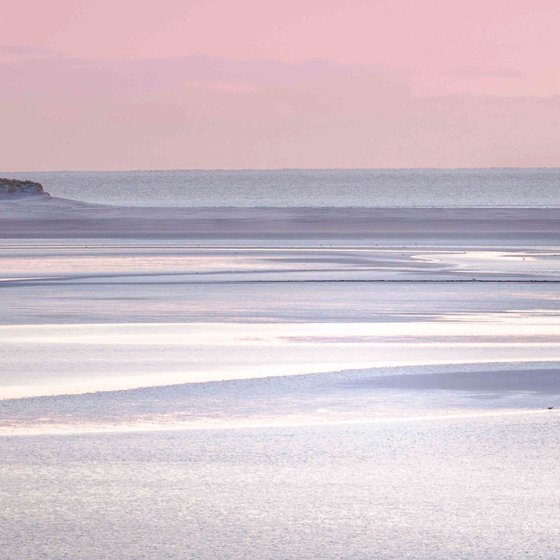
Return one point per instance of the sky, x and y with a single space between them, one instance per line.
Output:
206 84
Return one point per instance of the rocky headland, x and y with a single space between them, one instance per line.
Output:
16 187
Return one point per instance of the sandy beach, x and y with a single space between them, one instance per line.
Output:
217 293
200 341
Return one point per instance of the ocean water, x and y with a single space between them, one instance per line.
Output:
310 188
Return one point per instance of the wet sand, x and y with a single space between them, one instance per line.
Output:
322 383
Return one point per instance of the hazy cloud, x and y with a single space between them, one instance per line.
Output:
475 72
214 112
26 50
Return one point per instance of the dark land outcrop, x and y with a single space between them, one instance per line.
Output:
21 188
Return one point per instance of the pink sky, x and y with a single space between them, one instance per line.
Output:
133 84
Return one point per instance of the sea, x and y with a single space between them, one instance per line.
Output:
364 188
155 407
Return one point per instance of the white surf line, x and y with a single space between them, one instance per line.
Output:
228 425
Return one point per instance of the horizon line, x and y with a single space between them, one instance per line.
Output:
241 169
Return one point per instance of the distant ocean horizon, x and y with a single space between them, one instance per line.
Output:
362 188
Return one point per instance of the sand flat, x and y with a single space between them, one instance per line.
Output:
363 381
